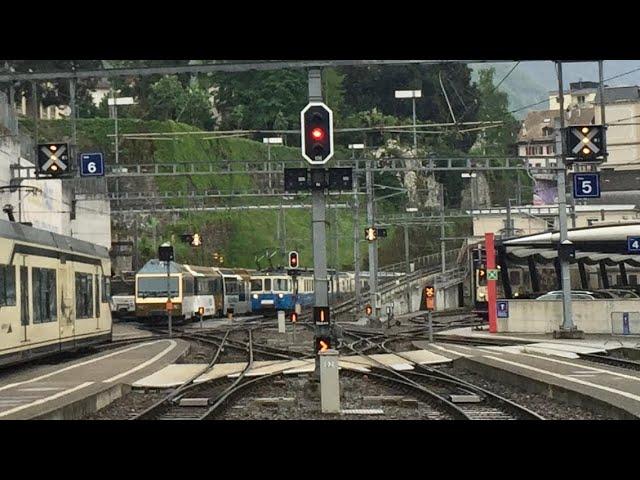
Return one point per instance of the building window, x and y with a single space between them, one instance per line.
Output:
84 295
7 285
591 221
24 295
43 286
633 279
580 98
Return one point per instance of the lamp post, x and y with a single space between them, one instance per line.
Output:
114 102
356 223
406 258
281 233
412 94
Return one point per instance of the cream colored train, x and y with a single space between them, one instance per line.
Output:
54 293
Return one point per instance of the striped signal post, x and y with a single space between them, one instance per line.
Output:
491 283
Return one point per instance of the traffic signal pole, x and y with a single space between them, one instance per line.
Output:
319 228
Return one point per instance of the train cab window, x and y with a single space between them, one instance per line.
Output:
281 285
256 285
43 286
187 286
24 295
231 286
84 295
7 285
514 277
267 284
97 294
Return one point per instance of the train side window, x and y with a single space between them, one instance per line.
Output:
256 285
514 277
7 285
84 295
633 279
267 284
43 286
187 286
97 294
24 295
106 289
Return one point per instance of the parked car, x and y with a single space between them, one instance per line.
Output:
620 293
575 295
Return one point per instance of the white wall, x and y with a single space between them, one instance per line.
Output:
623 141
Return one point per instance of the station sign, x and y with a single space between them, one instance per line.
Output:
503 309
586 185
633 244
91 165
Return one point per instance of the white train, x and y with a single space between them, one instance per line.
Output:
54 293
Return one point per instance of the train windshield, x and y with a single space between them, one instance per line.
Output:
256 285
156 286
231 286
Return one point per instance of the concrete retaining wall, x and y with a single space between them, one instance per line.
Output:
590 316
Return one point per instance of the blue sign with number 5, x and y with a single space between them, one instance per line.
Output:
91 165
586 185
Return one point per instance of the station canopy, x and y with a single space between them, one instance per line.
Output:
608 243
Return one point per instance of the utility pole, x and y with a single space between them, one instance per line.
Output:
356 234
408 269
415 141
567 326
337 250
442 230
373 250
602 109
74 113
508 226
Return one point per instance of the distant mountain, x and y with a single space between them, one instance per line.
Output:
532 81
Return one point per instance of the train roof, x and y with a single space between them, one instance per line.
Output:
23 233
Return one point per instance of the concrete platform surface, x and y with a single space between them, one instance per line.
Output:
45 388
593 340
614 386
129 330
171 375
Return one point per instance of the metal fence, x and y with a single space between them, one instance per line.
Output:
8 117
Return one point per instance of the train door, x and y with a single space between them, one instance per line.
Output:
25 315
96 295
66 293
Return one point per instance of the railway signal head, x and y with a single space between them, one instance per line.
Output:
368 310
197 240
294 317
317 133
201 311
371 234
53 159
585 142
429 291
323 343
293 259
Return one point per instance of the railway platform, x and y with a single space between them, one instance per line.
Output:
554 369
74 388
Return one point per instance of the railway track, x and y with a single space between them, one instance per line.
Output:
611 360
443 389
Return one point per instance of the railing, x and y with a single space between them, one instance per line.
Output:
450 257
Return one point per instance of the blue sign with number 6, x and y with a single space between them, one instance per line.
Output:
586 185
91 165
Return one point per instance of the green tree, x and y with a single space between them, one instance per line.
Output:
256 100
171 100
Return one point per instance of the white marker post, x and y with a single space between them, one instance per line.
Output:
281 324
329 382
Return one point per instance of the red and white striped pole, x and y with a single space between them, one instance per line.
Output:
491 284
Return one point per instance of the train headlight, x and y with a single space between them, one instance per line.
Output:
281 295
255 296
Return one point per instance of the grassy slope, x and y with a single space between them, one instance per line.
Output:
237 235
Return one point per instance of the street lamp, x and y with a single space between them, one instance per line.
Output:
473 185
412 94
356 224
114 101
270 141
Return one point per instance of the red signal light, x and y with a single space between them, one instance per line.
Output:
317 133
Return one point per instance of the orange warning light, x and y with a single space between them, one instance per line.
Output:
169 305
